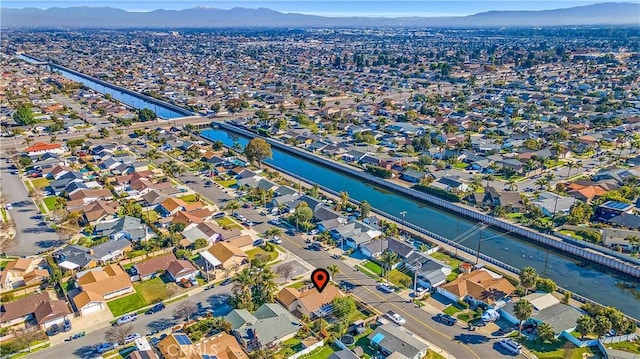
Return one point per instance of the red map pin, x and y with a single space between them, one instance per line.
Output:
320 279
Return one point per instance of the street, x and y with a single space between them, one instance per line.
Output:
83 347
33 234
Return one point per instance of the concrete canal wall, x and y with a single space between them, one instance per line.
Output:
555 243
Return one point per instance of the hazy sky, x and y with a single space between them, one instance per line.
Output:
322 7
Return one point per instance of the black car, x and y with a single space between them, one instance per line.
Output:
227 281
446 319
156 308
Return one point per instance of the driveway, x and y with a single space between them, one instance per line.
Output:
33 235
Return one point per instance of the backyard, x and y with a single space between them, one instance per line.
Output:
228 223
630 347
259 251
396 276
560 349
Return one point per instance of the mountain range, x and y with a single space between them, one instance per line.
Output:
107 17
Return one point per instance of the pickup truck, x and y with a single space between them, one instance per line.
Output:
127 319
396 318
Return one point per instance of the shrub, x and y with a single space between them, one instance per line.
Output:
437 192
379 171
462 304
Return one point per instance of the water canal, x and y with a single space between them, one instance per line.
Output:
567 272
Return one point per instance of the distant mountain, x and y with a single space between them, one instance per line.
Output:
201 17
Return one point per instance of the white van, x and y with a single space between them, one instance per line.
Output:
511 345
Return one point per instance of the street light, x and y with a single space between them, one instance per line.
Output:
403 214
482 227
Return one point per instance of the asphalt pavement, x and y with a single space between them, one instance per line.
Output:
146 324
33 234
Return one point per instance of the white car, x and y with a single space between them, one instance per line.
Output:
510 345
276 240
396 318
131 338
9 206
105 347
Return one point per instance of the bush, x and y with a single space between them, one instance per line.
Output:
462 304
437 192
7 297
379 171
591 236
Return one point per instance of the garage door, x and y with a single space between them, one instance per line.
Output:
91 308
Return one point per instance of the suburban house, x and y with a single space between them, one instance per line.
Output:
510 201
431 272
177 346
40 148
413 176
127 227
110 250
392 339
619 238
204 230
309 302
74 257
450 183
218 346
109 282
611 209
39 309
374 249
270 323
479 286
23 272
171 206
223 255
551 203
181 269
354 233
151 267
88 302
546 309
96 211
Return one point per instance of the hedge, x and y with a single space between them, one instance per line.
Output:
437 192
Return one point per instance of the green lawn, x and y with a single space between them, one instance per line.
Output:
451 310
40 183
227 222
126 304
397 277
228 183
150 216
443 257
630 347
460 165
322 353
298 285
50 202
189 198
433 355
561 349
374 267
467 316
153 290
254 252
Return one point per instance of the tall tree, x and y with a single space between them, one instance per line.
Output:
146 114
602 325
585 325
388 259
528 278
545 332
24 116
118 334
365 209
522 310
258 150
333 269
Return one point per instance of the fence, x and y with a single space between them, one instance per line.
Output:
307 350
556 243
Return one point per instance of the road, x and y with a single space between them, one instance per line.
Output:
33 234
146 324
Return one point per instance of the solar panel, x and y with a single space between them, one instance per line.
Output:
182 339
207 356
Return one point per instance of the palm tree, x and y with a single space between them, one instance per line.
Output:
152 155
489 178
242 282
571 165
388 259
28 141
586 325
333 269
233 205
512 184
522 310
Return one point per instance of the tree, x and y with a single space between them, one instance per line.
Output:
333 269
200 243
118 334
528 278
344 201
343 307
27 336
602 325
257 150
302 213
130 208
285 270
146 114
365 209
585 325
262 353
546 285
185 309
233 205
522 310
23 116
579 213
546 333
388 259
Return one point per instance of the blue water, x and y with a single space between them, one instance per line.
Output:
565 271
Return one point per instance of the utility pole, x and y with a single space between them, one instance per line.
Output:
416 266
482 227
403 214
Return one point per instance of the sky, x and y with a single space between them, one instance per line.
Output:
387 8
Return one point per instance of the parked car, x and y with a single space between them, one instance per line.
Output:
193 281
210 286
127 319
226 281
131 338
396 318
276 240
258 242
156 308
314 232
54 329
510 345
385 288
105 347
9 206
219 215
446 319
67 325
185 283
